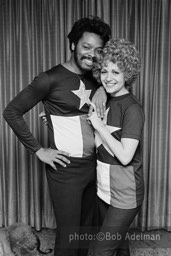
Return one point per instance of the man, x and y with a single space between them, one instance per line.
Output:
66 91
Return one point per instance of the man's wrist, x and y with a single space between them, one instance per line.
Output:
38 151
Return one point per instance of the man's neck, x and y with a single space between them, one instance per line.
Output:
71 65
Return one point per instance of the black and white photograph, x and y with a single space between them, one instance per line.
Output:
85 127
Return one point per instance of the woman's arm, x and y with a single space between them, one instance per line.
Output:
99 99
124 150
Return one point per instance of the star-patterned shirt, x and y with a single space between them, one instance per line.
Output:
66 98
118 185
83 94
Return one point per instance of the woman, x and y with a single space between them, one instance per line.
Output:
120 186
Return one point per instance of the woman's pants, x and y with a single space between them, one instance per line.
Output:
115 223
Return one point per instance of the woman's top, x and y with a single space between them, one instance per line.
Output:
119 185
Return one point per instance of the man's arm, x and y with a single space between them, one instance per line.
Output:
21 104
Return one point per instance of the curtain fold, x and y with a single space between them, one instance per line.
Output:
33 39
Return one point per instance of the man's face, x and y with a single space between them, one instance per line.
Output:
89 48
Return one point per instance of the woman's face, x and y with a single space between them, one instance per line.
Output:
113 79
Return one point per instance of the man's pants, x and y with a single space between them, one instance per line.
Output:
73 193
115 224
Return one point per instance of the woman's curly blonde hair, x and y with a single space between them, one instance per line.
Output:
125 54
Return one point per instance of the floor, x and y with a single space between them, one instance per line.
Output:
153 243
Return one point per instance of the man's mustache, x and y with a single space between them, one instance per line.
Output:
93 59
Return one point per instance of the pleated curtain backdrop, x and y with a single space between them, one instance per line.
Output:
33 38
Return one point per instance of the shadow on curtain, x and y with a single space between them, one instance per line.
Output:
33 39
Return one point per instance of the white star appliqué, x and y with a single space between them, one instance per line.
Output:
83 94
111 129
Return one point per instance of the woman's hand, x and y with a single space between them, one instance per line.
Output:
95 121
51 156
43 117
99 99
